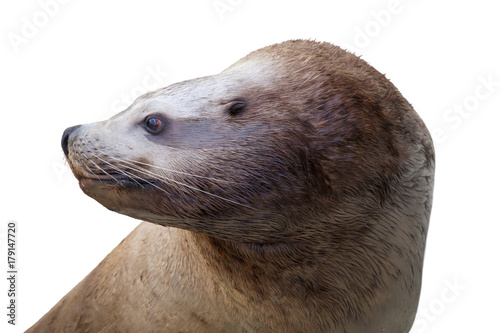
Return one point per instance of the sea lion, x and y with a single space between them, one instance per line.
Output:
289 193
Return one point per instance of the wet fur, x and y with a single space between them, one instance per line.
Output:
306 211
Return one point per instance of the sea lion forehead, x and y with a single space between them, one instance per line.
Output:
188 99
200 97
254 69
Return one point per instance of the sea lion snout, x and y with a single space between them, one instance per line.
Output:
65 138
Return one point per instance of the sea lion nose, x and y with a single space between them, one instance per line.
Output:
65 138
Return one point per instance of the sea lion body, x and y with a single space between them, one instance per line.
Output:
289 193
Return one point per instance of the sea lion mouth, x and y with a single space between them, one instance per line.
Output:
101 176
119 193
118 180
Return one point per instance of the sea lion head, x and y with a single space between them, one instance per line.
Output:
294 139
309 172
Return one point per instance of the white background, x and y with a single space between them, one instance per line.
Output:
82 61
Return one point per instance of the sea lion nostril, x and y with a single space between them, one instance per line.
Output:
65 138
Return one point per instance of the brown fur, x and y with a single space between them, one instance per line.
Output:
308 212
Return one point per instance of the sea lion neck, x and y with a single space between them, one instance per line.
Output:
247 267
251 252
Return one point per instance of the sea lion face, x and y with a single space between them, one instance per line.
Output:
251 154
200 154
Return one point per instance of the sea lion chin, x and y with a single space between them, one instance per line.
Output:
290 193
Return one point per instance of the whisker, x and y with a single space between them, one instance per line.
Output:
149 173
131 176
97 166
123 172
88 168
136 168
132 162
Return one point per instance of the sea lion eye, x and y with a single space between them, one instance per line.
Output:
154 124
236 107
